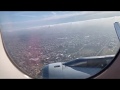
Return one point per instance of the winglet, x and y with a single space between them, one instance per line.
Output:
117 29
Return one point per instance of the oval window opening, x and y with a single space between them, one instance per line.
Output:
60 44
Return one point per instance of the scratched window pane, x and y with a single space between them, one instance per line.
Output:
35 39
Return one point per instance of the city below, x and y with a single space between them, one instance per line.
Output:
31 49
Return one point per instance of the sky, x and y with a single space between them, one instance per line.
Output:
25 16
26 19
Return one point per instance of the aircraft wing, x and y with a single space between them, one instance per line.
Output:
76 69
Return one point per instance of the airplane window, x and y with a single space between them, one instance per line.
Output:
60 44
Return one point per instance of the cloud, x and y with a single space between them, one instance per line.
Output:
27 15
65 15
55 16
53 13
